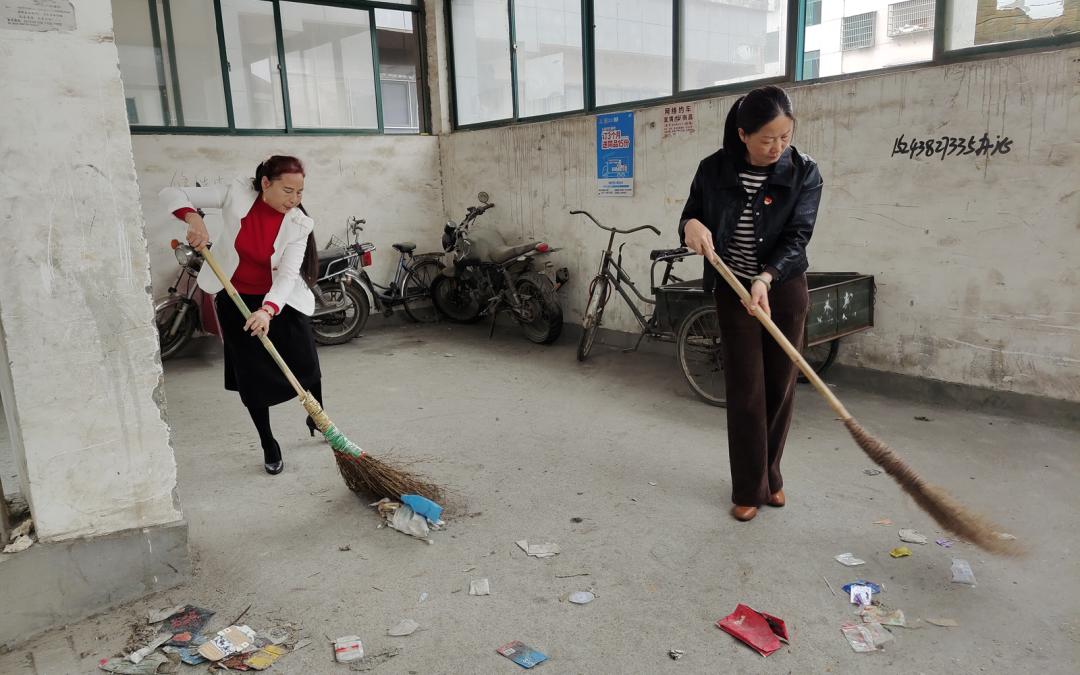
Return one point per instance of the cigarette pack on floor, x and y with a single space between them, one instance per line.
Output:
348 648
227 642
522 654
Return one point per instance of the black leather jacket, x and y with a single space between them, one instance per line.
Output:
785 210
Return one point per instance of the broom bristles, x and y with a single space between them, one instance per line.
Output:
363 473
948 512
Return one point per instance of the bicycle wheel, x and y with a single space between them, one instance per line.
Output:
416 291
700 357
820 357
594 313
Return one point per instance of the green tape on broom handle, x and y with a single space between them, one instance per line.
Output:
333 435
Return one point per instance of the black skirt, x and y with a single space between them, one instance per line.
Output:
249 369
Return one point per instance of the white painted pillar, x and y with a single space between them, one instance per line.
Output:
80 377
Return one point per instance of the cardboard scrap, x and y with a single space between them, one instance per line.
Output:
159 615
479 587
759 630
147 666
140 654
547 550
877 614
186 624
265 657
227 642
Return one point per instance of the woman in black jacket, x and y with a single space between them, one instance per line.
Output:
755 202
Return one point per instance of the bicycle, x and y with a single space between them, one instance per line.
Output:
600 288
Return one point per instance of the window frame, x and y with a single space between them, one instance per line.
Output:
793 62
417 10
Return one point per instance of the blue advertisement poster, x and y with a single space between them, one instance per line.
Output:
615 154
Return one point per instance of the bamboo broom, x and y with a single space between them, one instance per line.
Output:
362 472
948 512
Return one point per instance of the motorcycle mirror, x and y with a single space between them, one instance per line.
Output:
483 197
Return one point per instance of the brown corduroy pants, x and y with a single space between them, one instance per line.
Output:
760 379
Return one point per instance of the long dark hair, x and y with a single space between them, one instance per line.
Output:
272 169
751 112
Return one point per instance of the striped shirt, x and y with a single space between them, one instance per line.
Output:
741 253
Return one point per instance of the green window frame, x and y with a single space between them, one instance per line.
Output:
164 46
797 67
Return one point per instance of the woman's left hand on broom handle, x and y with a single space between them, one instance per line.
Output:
258 323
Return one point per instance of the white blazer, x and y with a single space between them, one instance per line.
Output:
235 200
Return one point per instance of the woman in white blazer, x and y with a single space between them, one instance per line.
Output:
268 250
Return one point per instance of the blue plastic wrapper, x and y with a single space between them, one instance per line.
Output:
874 588
424 506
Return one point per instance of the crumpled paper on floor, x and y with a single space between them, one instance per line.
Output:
21 543
547 550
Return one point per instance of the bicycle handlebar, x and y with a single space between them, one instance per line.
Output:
612 229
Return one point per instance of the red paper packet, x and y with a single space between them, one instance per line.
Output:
760 631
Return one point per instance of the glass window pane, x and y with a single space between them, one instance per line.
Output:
633 50
199 92
859 35
399 70
973 23
330 68
726 43
251 49
548 53
143 88
482 60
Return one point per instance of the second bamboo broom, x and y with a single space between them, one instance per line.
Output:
362 472
948 512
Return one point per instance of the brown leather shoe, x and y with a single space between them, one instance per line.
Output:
777 498
744 513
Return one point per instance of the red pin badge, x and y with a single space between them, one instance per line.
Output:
768 200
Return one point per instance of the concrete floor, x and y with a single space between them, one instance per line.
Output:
530 439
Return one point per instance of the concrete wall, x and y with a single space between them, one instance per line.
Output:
81 379
392 181
975 257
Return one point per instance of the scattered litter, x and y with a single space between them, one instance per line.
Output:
21 529
878 634
883 521
872 472
522 654
189 655
227 642
1005 536
761 631
348 648
185 625
479 587
571 575
946 543
581 597
346 547
403 628
877 614
159 615
423 506
652 483
374 660
577 519
140 654
912 536
300 645
849 560
900 552
423 596
859 637
830 586
147 666
21 543
676 654
404 519
923 418
265 657
861 595
962 573
944 623
539 550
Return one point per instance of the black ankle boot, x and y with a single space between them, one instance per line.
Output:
311 425
272 461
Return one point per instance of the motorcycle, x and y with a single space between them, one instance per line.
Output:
488 277
186 308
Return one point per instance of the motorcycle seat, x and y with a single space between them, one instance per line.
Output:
501 254
665 252
405 246
332 253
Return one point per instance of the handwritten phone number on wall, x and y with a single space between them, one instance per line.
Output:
950 146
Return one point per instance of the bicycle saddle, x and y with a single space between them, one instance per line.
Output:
405 246
665 252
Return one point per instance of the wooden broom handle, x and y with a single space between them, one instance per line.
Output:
231 290
766 321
